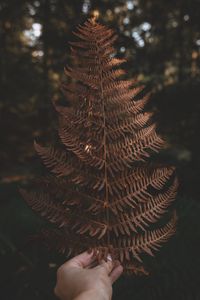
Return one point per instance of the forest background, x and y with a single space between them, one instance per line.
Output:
161 42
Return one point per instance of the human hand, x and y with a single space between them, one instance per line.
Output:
79 279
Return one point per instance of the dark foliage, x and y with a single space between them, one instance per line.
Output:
160 41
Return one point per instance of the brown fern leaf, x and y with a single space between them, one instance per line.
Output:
47 208
104 194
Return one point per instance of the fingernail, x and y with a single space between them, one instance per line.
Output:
109 257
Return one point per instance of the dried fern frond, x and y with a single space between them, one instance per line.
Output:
103 193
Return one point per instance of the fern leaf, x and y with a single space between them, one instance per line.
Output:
103 194
42 204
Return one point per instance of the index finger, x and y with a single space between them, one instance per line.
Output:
82 260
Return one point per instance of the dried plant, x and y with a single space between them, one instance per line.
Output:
103 193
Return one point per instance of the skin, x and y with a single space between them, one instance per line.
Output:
82 278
